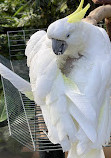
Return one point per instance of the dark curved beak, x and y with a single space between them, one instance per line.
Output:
58 46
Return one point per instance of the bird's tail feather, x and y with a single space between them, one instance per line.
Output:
93 153
22 85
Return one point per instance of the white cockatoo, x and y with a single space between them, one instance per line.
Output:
70 77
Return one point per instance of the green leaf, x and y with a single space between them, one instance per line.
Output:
20 9
63 7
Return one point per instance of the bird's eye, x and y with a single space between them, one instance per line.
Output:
68 35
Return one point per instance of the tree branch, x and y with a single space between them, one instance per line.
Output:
98 14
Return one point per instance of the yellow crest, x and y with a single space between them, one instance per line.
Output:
78 14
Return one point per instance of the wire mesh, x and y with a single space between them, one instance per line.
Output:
25 120
17 41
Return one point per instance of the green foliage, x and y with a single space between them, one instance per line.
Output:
6 12
34 13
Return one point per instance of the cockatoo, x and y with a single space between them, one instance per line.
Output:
70 80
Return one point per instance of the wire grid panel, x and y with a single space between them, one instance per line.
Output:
17 41
17 121
25 120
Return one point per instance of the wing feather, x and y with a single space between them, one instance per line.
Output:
33 45
22 85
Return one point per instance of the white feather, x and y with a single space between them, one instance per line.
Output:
33 46
22 85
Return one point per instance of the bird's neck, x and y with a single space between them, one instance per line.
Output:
94 40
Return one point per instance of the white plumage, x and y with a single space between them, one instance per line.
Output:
76 105
73 89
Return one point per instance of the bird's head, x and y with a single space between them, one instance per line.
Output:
66 33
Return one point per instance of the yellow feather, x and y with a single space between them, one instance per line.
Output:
78 16
78 9
70 83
